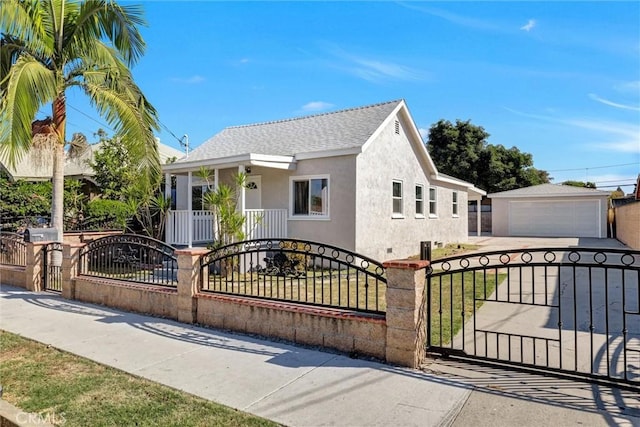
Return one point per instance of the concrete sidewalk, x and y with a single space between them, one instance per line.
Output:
304 387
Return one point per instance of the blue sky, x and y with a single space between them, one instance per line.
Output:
559 80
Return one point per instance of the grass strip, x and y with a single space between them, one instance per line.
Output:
455 294
69 390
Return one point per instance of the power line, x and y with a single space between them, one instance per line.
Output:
592 167
89 117
632 180
169 130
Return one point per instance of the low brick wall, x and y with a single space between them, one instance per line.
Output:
139 298
336 329
13 275
628 224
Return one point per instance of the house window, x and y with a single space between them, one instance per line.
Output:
397 198
454 207
419 200
310 196
433 202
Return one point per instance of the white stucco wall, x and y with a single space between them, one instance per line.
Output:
378 234
338 230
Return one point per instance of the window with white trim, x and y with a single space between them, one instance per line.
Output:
419 200
454 206
433 202
310 196
397 198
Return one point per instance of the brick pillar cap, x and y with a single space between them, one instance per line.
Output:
192 251
407 264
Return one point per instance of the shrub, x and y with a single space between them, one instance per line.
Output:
108 214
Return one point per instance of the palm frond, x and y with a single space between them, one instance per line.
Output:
30 86
119 23
124 107
27 21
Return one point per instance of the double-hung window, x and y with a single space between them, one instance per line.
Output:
419 201
397 198
433 202
454 206
310 196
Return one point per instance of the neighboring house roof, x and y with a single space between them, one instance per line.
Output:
32 168
549 190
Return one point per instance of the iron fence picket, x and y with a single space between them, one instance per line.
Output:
591 298
297 271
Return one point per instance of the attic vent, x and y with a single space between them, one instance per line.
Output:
397 127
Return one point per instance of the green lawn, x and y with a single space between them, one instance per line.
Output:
73 391
449 299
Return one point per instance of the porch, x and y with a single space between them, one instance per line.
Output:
189 227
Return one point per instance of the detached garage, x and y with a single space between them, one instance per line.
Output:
550 210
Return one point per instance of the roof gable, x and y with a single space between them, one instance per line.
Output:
338 131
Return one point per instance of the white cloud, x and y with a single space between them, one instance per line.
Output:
530 25
371 69
629 87
316 106
453 18
196 79
613 104
605 135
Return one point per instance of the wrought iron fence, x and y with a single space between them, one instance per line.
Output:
51 266
13 250
130 257
574 311
296 271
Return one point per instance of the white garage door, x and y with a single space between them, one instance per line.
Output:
555 219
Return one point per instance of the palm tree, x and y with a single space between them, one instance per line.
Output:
51 46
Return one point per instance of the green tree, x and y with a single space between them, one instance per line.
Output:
462 150
580 184
114 169
51 46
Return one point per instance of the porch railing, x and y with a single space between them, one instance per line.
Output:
265 224
259 224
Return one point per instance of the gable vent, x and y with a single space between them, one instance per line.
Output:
397 127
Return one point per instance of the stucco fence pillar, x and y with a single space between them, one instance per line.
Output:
33 267
188 283
70 266
406 312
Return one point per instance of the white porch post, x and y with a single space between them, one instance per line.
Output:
478 218
242 192
168 229
190 210
215 179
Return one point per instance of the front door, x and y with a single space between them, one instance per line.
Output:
253 192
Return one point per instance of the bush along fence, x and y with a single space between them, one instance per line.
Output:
303 292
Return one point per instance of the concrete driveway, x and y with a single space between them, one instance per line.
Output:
562 316
490 243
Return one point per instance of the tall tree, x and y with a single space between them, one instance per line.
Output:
51 46
462 150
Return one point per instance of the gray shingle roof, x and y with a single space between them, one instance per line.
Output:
342 129
549 190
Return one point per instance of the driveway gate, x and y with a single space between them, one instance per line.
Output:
51 267
571 311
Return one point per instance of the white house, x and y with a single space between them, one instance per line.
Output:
360 179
